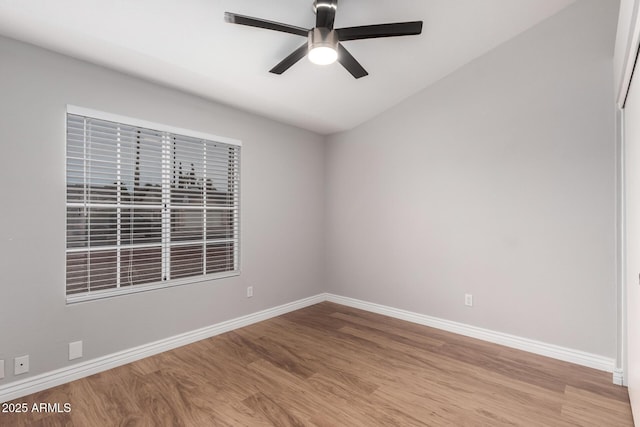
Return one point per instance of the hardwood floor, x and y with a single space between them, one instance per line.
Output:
330 365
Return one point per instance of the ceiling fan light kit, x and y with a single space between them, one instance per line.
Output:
323 46
324 43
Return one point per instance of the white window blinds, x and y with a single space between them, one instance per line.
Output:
147 207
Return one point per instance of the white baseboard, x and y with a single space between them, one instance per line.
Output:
550 350
50 379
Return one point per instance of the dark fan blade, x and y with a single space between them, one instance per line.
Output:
380 30
326 13
262 23
350 63
287 62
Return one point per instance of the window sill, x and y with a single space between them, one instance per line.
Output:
110 293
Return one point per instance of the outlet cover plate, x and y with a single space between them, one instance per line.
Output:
75 350
1 369
468 300
21 365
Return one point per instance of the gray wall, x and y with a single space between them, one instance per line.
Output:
497 181
281 207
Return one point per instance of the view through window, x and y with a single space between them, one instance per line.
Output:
147 206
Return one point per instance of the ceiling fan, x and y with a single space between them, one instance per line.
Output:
324 43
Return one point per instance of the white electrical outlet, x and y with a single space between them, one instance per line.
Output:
21 365
1 369
75 350
249 291
468 300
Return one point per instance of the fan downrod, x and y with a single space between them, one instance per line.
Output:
332 4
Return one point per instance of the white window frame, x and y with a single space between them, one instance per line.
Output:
100 294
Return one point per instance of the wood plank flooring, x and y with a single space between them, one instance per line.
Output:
330 365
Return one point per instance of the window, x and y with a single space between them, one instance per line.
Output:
147 205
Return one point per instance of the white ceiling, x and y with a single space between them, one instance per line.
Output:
186 44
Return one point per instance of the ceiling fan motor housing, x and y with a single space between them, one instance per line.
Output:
323 37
